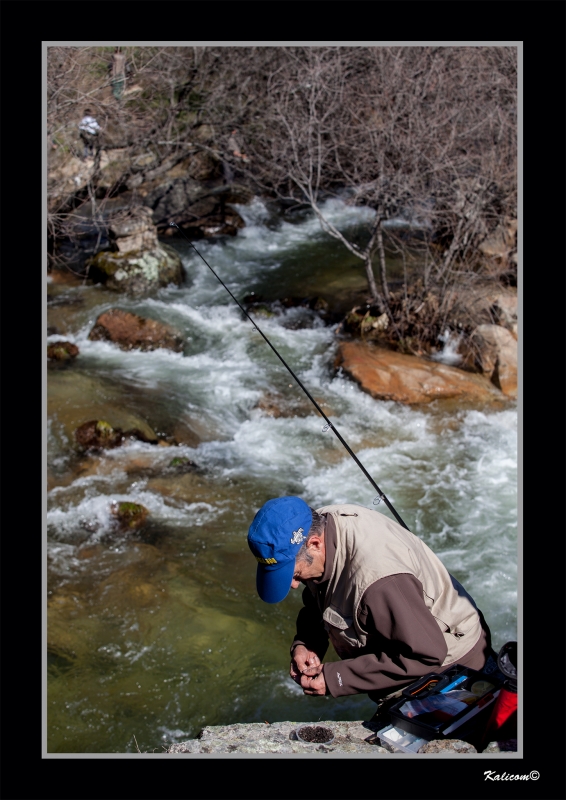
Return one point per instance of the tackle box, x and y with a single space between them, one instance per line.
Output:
441 705
401 740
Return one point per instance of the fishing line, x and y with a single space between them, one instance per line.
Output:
329 424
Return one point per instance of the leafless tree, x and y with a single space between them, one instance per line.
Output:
428 133
424 133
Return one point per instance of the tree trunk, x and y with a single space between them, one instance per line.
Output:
382 267
375 296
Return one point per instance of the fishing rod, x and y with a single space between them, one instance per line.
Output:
329 424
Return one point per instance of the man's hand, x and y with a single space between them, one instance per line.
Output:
306 670
305 662
313 681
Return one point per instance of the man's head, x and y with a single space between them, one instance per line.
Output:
286 545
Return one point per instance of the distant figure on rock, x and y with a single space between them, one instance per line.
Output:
117 69
233 151
89 128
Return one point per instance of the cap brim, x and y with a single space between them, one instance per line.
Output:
273 585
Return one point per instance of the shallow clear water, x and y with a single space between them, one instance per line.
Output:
154 635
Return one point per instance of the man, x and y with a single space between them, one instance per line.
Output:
117 69
88 131
386 602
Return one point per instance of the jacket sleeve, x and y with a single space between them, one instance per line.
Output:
402 633
310 628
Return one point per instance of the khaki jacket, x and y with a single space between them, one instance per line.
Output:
370 546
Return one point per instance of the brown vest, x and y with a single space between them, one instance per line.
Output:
370 546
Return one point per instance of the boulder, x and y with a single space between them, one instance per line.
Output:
130 331
130 516
495 351
137 262
137 273
388 375
97 434
62 351
133 230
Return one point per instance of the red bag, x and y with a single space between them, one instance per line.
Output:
503 721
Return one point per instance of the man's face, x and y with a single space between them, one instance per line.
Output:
305 571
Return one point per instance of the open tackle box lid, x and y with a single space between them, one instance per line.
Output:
439 703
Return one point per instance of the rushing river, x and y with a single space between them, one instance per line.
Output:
154 635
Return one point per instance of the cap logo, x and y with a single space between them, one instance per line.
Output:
266 560
297 536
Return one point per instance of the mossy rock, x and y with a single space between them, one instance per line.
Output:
137 272
62 351
182 464
130 516
97 434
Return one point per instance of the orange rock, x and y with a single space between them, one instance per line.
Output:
388 375
497 355
132 331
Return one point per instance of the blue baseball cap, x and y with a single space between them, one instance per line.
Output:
275 537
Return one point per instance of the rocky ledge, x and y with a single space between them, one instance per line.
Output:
281 737
350 738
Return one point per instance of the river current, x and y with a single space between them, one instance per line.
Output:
154 635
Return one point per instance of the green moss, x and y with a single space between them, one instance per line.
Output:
135 270
129 508
104 430
103 427
130 515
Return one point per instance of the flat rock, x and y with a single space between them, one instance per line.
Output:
280 737
131 331
388 375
